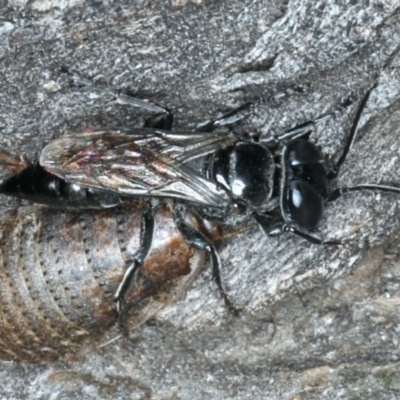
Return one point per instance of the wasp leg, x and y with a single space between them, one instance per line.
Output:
245 110
229 118
309 236
306 128
333 174
14 163
125 98
196 239
376 188
146 238
303 130
273 227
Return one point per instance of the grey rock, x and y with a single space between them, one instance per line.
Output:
317 321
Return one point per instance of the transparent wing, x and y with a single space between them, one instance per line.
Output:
137 162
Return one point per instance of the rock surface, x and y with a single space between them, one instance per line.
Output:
317 321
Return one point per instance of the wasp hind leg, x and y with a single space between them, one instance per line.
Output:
199 241
14 163
229 118
164 122
130 275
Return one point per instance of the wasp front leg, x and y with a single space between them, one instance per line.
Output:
274 227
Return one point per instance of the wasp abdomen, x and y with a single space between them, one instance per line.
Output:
34 183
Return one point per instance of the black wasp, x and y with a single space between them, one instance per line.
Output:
283 182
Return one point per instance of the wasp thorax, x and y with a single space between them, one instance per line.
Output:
246 171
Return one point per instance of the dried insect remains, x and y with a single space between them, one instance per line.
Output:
60 269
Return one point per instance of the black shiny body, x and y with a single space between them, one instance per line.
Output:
304 184
246 172
243 177
35 184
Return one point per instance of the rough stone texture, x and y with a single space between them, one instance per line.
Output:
317 322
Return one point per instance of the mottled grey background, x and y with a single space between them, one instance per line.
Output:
318 322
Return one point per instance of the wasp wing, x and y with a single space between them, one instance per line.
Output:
137 162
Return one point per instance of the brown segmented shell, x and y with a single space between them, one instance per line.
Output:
59 271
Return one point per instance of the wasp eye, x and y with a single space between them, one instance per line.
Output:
239 208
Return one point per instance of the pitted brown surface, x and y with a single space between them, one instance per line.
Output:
60 270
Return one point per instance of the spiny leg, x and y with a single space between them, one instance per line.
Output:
306 128
299 131
372 187
274 227
146 238
14 163
353 131
350 140
229 118
124 98
309 236
196 239
245 110
333 174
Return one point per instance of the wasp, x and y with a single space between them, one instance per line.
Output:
283 183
